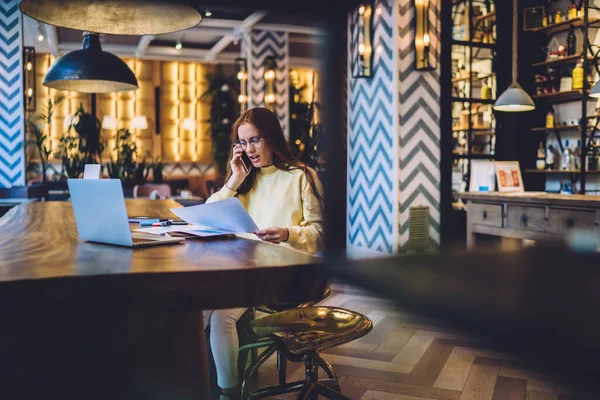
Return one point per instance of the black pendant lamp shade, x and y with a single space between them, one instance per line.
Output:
90 70
118 17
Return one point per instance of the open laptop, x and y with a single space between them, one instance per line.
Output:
101 216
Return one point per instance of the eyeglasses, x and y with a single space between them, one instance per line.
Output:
255 141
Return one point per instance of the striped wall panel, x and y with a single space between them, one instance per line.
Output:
371 140
257 48
419 141
12 157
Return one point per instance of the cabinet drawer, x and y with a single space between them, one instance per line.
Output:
560 221
485 214
526 218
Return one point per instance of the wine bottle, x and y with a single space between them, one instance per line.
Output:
550 156
571 42
540 163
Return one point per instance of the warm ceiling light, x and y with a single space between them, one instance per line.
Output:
29 66
90 70
40 33
118 17
178 45
207 13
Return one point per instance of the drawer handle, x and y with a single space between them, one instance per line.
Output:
570 223
524 219
484 214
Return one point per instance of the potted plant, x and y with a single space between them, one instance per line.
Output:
224 110
38 139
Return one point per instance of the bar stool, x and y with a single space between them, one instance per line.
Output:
301 334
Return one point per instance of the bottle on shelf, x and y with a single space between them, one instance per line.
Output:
580 10
567 157
486 92
578 76
557 16
550 161
592 157
540 162
492 6
485 8
544 20
577 156
571 40
550 119
572 11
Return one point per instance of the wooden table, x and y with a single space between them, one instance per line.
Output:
83 320
529 215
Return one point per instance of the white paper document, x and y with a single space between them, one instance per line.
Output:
227 215
194 230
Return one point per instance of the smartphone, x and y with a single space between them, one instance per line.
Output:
246 161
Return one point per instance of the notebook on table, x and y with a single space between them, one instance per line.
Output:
101 216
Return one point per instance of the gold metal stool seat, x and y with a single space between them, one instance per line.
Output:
301 334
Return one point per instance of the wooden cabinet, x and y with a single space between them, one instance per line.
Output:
535 216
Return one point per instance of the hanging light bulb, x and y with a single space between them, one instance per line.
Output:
40 33
514 98
178 45
207 13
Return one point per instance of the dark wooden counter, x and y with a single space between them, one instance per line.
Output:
529 215
85 320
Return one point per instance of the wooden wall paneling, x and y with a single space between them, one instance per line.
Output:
204 141
157 144
168 110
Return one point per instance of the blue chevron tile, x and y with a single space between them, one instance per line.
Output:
419 171
380 174
420 190
11 111
11 82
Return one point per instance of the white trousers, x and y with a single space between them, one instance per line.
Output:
224 343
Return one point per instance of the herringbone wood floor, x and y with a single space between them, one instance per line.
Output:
408 358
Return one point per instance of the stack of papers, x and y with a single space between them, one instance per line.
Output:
225 217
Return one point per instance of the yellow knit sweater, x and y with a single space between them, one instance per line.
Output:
284 199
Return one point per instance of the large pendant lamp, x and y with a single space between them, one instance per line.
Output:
90 70
514 99
118 17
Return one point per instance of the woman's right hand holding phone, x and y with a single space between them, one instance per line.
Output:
238 169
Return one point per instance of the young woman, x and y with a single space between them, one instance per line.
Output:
283 196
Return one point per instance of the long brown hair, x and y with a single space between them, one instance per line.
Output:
266 123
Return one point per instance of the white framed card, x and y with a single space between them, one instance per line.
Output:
508 174
483 176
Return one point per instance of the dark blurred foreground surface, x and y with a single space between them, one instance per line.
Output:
540 303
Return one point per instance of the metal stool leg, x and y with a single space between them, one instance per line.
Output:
282 367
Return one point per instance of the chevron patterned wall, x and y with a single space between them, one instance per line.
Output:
419 110
12 160
256 48
371 140
393 134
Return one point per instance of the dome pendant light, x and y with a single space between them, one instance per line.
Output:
90 70
514 98
117 17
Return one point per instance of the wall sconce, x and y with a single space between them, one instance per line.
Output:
242 76
270 67
362 36
29 78
424 58
109 122
139 122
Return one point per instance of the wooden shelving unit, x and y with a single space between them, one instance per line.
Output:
557 172
560 61
556 128
569 95
488 16
564 25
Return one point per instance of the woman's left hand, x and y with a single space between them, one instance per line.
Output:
273 234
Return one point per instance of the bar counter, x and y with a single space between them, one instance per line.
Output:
529 215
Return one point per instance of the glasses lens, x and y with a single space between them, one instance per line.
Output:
256 142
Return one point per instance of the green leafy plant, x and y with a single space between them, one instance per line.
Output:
85 147
305 131
223 92
157 168
125 166
39 139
